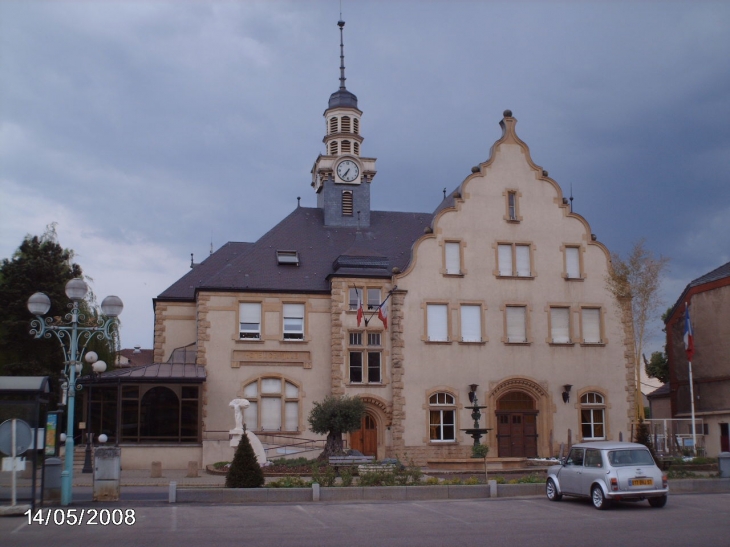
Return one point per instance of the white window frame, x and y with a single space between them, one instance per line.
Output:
469 313
440 404
452 258
557 335
510 260
357 346
511 315
373 306
573 269
587 329
288 396
249 313
437 322
594 404
293 312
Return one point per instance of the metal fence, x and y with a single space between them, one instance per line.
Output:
673 437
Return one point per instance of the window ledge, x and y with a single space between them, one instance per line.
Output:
559 344
460 274
513 220
472 342
442 442
574 278
532 276
356 384
287 341
517 343
249 340
441 342
593 344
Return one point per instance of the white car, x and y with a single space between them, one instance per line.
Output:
606 471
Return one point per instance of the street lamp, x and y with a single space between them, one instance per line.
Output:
97 367
77 333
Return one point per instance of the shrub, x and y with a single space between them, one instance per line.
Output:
289 482
245 471
472 480
432 481
479 451
346 476
324 476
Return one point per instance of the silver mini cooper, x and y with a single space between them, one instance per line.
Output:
606 471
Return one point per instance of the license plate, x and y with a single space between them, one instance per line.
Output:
641 482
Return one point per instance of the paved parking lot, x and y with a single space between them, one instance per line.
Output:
687 520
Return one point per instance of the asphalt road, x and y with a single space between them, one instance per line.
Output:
686 521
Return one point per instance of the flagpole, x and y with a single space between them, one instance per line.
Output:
692 407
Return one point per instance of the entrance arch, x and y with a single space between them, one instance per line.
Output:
516 425
365 439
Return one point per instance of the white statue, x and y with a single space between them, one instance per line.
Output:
237 405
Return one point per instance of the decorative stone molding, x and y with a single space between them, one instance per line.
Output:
203 328
396 341
337 357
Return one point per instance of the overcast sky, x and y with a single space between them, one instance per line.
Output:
148 129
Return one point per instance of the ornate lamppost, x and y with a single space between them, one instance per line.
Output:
97 367
75 332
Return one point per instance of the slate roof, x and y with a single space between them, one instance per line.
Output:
661 391
385 244
137 357
715 275
154 373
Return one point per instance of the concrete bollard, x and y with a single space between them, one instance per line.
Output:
156 472
192 469
172 494
315 491
492 489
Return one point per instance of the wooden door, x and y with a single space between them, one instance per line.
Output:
517 434
365 439
724 438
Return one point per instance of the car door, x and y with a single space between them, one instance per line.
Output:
572 472
593 469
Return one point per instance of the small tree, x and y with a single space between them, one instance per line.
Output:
635 281
335 416
642 435
657 367
245 471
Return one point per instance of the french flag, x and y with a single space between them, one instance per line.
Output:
689 342
360 311
383 314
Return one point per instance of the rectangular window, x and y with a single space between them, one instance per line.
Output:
355 367
452 256
373 299
353 299
514 260
560 325
293 321
516 324
437 316
512 205
374 367
271 413
249 316
591 325
572 263
356 339
592 423
373 339
291 409
471 323
442 425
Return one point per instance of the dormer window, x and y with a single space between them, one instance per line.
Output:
288 258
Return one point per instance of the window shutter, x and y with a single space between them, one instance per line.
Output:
291 416
560 325
250 313
471 324
453 258
591 325
437 316
523 260
516 328
505 259
271 413
572 262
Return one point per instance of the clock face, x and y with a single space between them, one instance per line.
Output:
348 170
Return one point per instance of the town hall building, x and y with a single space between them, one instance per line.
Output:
501 286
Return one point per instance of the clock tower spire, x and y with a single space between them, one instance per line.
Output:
341 177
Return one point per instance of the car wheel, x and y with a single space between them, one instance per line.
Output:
551 490
599 500
658 502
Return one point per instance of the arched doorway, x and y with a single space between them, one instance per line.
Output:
365 439
516 425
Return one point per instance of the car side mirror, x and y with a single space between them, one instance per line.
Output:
562 461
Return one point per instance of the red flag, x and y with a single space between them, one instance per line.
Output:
360 311
383 314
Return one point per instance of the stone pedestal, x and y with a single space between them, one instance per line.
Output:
107 473
258 448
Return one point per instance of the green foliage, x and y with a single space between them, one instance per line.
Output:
432 481
532 478
377 478
220 465
335 416
323 475
290 482
40 264
293 462
245 471
499 479
472 481
674 473
346 475
455 481
657 367
479 451
642 435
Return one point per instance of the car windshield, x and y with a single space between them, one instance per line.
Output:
619 458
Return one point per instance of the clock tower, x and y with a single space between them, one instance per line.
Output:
341 177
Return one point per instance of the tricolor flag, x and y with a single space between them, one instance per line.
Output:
360 311
383 314
689 342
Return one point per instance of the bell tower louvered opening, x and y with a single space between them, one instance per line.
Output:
347 203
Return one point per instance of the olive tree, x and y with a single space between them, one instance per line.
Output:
333 417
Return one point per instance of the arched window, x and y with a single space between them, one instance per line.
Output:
356 148
593 416
333 148
442 417
345 124
160 415
274 405
345 147
347 203
516 400
333 125
356 126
